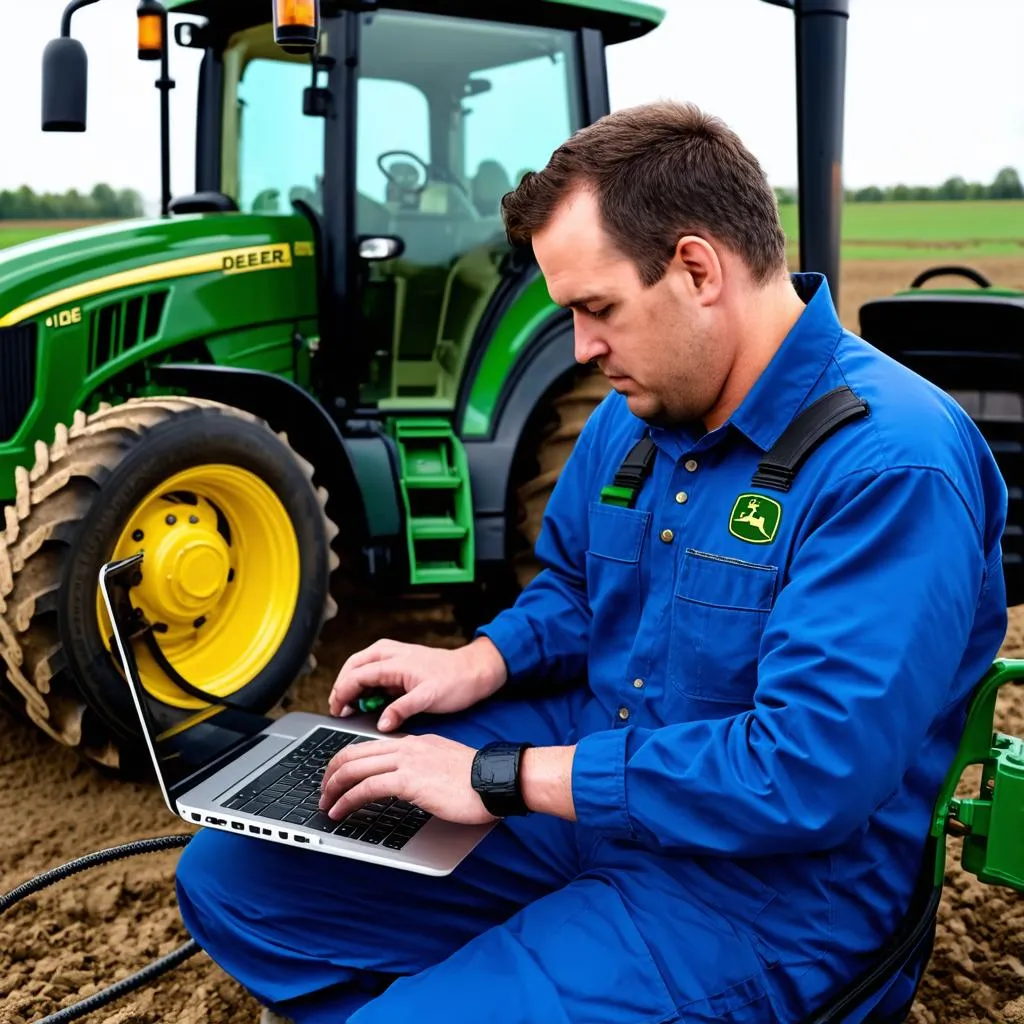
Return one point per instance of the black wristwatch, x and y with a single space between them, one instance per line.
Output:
495 776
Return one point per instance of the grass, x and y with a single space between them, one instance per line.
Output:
17 231
15 236
871 231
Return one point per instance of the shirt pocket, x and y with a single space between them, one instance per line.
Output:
613 564
719 612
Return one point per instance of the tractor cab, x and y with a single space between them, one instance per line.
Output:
397 135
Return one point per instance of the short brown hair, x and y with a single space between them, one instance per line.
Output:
659 171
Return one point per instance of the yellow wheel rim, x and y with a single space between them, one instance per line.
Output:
220 579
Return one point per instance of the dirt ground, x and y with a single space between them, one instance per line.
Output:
70 941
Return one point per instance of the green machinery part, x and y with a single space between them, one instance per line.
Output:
992 824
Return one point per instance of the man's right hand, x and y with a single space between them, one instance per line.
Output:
425 678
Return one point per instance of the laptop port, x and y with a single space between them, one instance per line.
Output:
283 835
238 825
196 817
301 839
267 832
215 821
254 829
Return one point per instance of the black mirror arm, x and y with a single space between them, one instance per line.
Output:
65 22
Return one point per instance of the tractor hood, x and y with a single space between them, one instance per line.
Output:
73 266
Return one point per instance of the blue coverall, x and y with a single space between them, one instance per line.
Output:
767 703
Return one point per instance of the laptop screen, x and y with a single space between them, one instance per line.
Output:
193 747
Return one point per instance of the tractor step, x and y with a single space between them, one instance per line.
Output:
434 481
437 528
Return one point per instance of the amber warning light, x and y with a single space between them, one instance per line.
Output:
151 30
297 25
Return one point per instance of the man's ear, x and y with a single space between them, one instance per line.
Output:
697 259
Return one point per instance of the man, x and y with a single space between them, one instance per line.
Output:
727 812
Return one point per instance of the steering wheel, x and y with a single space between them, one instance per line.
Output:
416 189
972 275
430 172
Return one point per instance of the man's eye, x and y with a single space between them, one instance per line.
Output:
600 314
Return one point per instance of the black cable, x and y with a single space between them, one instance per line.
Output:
124 986
148 973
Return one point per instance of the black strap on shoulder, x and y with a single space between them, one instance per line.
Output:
630 477
817 422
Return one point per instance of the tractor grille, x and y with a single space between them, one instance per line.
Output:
17 375
120 326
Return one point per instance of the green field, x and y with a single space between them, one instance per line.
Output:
871 231
16 232
14 236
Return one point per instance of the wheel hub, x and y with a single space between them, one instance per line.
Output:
187 564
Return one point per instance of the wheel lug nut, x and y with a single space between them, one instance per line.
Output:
199 622
138 535
170 520
193 519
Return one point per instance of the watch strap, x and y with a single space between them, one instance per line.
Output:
496 778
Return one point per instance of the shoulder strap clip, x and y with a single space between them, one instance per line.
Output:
630 477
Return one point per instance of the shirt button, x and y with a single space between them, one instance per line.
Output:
691 465
638 683
681 497
667 536
623 713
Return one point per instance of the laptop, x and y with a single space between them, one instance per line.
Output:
241 772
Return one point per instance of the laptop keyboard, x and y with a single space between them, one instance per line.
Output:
290 791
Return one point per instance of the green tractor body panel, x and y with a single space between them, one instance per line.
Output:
523 321
97 307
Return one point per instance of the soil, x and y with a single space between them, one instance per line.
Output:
87 932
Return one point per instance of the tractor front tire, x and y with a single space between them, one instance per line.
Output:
236 566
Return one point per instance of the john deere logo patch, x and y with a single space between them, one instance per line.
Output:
755 518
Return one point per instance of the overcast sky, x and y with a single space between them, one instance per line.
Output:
934 88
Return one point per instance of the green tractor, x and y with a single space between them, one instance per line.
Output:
326 356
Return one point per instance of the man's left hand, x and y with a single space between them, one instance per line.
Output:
429 771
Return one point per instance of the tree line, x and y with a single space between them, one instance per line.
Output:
1005 185
103 202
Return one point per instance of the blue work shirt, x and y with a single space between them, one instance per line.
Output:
778 679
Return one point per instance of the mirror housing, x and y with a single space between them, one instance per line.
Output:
65 85
376 248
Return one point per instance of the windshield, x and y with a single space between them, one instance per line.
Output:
272 152
450 113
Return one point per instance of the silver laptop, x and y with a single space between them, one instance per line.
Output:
230 769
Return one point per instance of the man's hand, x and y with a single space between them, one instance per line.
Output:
428 678
429 771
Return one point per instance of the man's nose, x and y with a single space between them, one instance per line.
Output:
588 343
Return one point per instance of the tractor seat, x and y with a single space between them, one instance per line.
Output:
489 186
971 345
